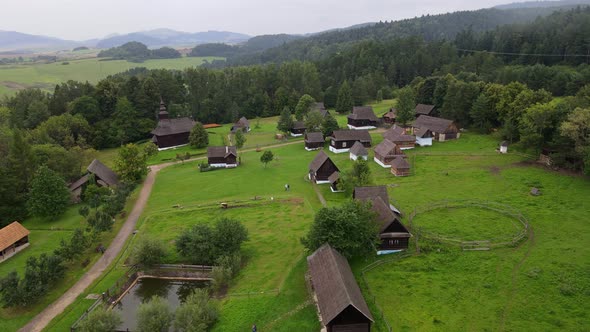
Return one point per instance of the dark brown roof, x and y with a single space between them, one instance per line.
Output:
386 148
423 132
299 125
315 137
358 149
334 284
319 106
364 193
398 134
221 151
363 113
384 214
437 125
80 182
352 135
424 109
243 122
400 162
104 173
318 161
391 114
173 126
334 177
11 234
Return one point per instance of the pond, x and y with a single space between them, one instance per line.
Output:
174 291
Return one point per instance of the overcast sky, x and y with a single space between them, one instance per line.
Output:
85 19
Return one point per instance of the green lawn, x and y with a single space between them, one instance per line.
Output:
45 76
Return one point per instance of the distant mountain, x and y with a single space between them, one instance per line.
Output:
12 40
168 37
543 4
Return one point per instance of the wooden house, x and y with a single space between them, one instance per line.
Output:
423 136
320 107
103 176
442 129
298 129
343 140
399 136
222 156
504 147
393 235
369 192
422 109
389 117
334 180
171 133
385 152
362 117
314 141
321 167
242 124
400 167
338 297
358 151
13 238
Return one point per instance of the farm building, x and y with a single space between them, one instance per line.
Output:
399 136
358 151
369 192
103 176
362 117
319 107
392 233
334 182
389 117
442 129
321 167
385 152
222 156
423 136
338 297
504 147
314 141
298 129
422 109
13 238
242 124
400 166
171 133
343 140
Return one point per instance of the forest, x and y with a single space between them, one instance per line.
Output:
138 52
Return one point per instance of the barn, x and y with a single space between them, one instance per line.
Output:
358 151
442 129
399 136
321 167
342 140
13 238
338 297
103 176
423 109
314 141
222 156
393 235
171 133
389 117
298 129
385 152
400 167
362 117
423 136
242 124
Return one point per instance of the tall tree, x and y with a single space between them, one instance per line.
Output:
577 128
285 122
303 107
344 102
49 196
198 137
405 106
329 125
131 163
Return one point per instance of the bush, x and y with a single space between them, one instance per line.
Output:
148 252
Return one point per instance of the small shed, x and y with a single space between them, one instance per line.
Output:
389 117
338 297
385 152
362 117
400 167
314 141
242 124
298 129
13 238
321 167
504 147
222 156
358 151
335 182
320 108
423 136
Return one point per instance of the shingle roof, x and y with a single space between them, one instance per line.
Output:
387 148
243 122
384 214
398 134
11 234
391 114
319 106
103 172
358 149
364 193
400 162
424 109
315 137
299 125
363 112
334 284
334 177
423 132
318 161
437 125
173 126
80 182
221 151
352 135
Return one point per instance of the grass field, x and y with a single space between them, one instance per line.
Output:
45 76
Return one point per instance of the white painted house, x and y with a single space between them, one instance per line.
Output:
358 151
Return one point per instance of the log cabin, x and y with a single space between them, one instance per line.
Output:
393 235
321 167
400 167
103 177
368 192
222 156
171 133
389 117
385 152
423 136
338 297
442 129
13 238
423 109
314 141
242 124
362 117
298 129
342 140
399 136
358 151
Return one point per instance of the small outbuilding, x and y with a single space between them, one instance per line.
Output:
362 117
103 176
389 117
400 167
222 156
242 124
504 147
298 129
385 152
442 129
335 182
314 141
321 167
13 238
399 136
423 109
338 297
320 108
171 133
342 140
358 151
423 136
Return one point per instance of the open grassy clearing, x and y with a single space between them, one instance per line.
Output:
45 76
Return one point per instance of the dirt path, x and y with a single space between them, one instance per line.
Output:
320 196
41 320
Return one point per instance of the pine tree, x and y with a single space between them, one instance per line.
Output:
198 138
344 103
405 106
285 120
329 125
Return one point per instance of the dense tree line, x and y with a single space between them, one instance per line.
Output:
138 52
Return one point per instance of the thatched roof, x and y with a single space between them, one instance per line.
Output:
173 126
363 113
103 173
11 234
387 148
400 163
352 135
334 284
315 137
318 161
437 125
221 151
422 109
358 149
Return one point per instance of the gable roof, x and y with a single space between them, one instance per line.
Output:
424 109
391 114
384 214
363 113
352 135
386 147
399 162
173 126
103 172
437 125
364 193
221 151
423 132
358 149
80 182
398 134
11 234
334 284
319 160
243 122
315 137
334 177
299 125
319 105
